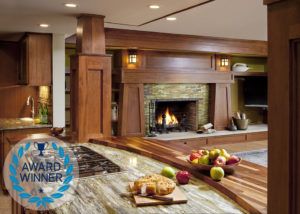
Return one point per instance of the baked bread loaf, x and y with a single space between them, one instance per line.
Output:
154 185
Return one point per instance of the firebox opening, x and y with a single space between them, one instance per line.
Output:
175 115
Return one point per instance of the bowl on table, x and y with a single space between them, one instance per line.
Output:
227 168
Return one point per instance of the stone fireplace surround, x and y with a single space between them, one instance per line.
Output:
178 91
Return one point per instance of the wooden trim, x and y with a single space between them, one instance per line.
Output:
131 111
267 2
294 31
153 76
120 38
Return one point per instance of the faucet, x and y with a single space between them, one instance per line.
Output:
30 98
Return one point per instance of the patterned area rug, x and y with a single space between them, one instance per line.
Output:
258 156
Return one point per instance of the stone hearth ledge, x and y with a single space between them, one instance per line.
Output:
191 135
101 194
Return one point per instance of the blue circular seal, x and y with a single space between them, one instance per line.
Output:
41 174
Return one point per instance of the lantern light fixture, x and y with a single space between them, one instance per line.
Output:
132 56
224 62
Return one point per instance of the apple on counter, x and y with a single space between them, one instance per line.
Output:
232 160
217 173
220 161
168 172
183 177
194 155
204 160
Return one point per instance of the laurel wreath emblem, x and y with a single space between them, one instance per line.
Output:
32 199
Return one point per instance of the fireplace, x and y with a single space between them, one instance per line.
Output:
170 115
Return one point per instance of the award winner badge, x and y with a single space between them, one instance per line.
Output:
40 174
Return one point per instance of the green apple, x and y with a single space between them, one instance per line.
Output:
204 160
214 153
224 153
195 161
168 172
216 173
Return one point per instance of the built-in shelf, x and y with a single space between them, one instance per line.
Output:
249 73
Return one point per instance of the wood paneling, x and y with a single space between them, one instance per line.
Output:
283 114
9 55
91 96
220 105
159 76
13 101
36 60
176 42
90 34
132 121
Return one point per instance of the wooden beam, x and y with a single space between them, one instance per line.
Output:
159 76
175 42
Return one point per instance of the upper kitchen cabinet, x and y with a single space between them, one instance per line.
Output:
35 60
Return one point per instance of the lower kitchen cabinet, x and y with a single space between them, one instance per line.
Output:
5 145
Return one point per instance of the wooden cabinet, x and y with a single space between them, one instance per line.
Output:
5 145
35 60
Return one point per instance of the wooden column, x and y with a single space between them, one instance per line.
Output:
90 81
284 106
220 105
132 117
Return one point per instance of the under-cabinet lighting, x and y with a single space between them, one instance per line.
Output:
224 62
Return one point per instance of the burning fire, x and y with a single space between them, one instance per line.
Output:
170 118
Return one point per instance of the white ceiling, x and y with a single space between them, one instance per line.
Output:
244 19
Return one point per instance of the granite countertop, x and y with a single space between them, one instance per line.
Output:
17 123
101 193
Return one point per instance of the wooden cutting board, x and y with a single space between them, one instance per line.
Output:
177 195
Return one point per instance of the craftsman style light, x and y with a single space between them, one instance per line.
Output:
224 61
132 57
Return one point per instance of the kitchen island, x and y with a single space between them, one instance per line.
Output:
101 193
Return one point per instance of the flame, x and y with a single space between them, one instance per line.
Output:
170 118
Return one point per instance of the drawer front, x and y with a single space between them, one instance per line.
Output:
257 136
227 139
190 144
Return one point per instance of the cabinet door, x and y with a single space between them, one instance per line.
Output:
23 70
39 59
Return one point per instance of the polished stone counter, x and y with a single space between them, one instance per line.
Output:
15 124
101 194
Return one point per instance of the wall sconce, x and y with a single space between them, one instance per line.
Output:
224 62
132 56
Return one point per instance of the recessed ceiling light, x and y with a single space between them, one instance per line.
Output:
44 25
154 6
171 18
72 5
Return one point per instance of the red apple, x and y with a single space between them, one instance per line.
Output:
183 177
220 161
232 160
194 156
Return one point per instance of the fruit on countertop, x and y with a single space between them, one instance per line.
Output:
168 172
217 173
220 161
204 160
183 177
195 161
224 153
232 160
194 156
203 152
214 153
